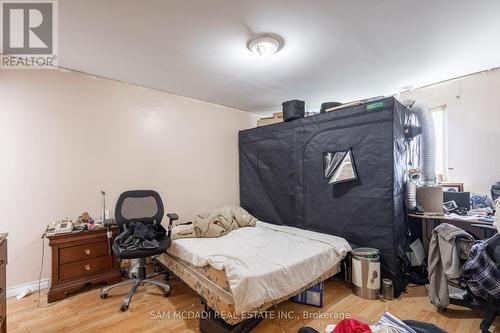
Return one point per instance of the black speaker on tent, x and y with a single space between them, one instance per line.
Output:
293 109
328 105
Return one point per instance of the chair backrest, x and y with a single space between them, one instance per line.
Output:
493 248
143 205
495 191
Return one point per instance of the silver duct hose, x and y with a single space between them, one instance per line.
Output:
428 142
411 188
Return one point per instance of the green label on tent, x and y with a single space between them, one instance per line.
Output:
375 105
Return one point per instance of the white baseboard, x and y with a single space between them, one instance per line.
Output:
33 285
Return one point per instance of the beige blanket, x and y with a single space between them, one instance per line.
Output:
216 223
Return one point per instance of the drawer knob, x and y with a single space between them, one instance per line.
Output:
87 267
87 251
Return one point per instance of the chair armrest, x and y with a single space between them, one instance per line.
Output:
490 230
109 222
484 226
172 217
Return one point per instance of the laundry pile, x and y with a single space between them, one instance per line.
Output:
137 235
448 245
386 324
216 223
482 273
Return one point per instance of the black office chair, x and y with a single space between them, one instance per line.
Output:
491 306
147 207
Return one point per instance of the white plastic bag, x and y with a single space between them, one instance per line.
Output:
134 268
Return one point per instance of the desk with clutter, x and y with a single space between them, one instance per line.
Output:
455 248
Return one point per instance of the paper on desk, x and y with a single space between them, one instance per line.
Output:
462 217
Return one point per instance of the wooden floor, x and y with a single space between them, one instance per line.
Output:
150 311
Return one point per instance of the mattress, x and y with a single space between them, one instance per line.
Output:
264 263
213 287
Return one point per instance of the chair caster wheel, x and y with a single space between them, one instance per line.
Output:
124 308
167 293
104 296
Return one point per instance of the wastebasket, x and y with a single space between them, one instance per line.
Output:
366 272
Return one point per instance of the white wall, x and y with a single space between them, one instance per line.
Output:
64 136
473 121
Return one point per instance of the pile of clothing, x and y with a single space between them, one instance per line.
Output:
216 223
138 235
448 245
386 324
482 272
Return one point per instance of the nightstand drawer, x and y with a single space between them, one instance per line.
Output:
3 311
2 282
82 252
80 259
87 267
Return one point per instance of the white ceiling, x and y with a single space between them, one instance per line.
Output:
335 50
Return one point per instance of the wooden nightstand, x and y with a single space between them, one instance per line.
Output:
80 259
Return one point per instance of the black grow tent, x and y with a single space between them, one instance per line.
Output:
283 178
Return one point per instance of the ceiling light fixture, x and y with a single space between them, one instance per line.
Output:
265 45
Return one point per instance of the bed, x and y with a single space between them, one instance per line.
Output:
251 269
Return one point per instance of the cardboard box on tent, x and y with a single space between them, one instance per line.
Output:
275 119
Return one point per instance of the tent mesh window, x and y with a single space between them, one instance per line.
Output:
339 167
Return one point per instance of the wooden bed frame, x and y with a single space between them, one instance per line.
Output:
212 286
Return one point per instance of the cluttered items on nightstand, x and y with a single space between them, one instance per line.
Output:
67 225
82 223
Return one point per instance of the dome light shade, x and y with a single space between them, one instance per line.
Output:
265 45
